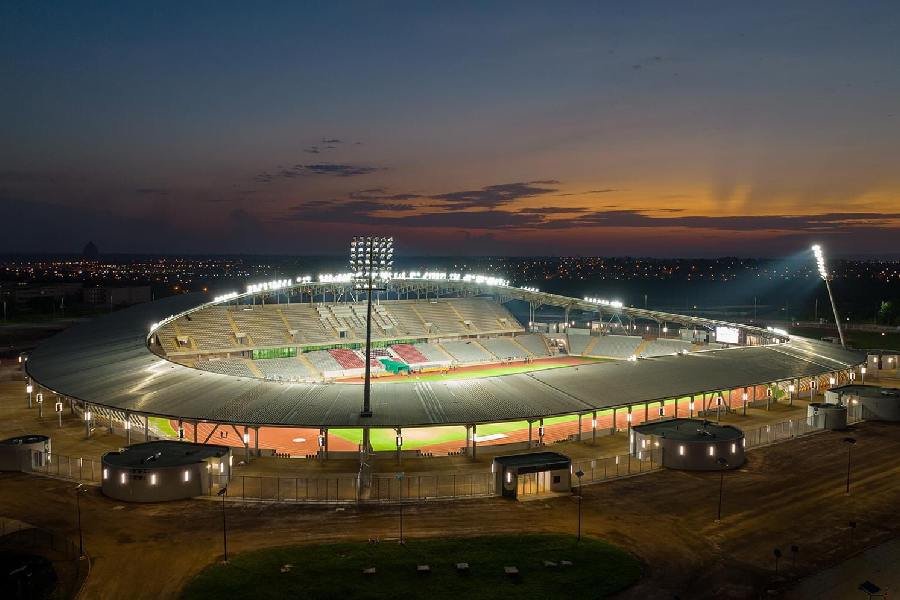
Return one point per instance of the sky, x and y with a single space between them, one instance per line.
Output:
505 128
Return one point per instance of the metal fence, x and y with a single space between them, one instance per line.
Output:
597 470
75 468
412 487
791 428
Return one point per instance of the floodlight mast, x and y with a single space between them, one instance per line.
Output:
371 258
823 273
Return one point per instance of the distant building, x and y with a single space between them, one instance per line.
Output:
91 252
118 296
26 294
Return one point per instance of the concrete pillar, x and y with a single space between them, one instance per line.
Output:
594 427
469 436
628 418
246 440
530 424
87 421
399 444
196 427
146 428
691 407
541 433
256 441
612 429
579 427
646 411
474 441
127 426
180 429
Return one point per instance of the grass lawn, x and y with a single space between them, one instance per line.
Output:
324 571
494 371
164 426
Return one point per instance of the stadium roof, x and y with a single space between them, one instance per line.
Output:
689 430
163 453
107 362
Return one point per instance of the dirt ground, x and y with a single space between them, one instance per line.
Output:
789 493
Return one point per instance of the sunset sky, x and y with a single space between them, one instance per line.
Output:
663 128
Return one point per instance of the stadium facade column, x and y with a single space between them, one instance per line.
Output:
541 432
196 427
71 407
127 425
594 427
469 438
246 440
146 428
256 441
399 441
646 411
628 419
530 423
87 421
691 407
180 430
612 429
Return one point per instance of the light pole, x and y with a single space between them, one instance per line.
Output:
400 498
79 490
724 465
823 273
28 389
224 492
862 371
371 259
579 474
849 441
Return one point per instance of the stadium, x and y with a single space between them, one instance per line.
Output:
458 364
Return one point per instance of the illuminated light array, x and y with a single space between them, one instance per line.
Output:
777 331
225 297
603 302
304 279
820 261
529 289
268 286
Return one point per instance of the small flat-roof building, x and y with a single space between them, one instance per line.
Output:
24 452
533 473
690 444
883 363
870 402
165 470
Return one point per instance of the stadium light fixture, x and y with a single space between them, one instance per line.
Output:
826 277
372 261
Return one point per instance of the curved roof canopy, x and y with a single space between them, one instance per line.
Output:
107 362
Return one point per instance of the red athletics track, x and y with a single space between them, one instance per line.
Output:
303 441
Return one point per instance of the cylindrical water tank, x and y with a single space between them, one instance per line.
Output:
827 416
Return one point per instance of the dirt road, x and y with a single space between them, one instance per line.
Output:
790 493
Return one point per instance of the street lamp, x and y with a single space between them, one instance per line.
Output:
371 260
850 441
826 277
400 498
579 474
28 389
79 490
224 492
862 370
724 465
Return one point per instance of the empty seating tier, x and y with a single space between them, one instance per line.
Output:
534 343
467 351
504 348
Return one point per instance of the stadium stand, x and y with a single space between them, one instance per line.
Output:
443 319
226 366
485 316
410 323
467 351
348 359
616 346
210 329
578 342
534 343
285 369
661 347
305 322
504 348
409 354
324 362
265 327
434 353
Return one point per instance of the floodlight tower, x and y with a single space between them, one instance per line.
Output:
823 273
371 260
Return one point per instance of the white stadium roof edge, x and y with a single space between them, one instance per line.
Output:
107 362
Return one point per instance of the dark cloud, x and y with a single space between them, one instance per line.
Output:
152 192
312 150
300 170
603 191
553 210
829 222
331 141
495 195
